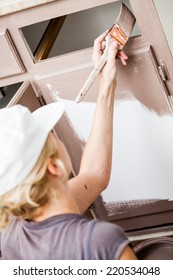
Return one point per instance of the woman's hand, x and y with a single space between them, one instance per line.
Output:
109 71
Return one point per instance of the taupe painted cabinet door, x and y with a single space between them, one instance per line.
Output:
9 59
139 80
26 96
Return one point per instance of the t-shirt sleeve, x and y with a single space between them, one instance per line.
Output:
107 241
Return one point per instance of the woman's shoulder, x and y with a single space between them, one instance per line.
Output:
108 229
107 240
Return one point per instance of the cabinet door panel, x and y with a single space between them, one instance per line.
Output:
9 58
26 96
138 80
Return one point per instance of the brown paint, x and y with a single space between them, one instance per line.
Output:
136 215
132 79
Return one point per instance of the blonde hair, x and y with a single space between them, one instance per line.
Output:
25 200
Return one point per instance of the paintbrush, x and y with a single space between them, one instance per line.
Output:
120 32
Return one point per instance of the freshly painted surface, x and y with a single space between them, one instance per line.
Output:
142 155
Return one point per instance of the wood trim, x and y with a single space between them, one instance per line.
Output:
15 6
154 232
152 32
136 214
144 221
56 9
137 208
10 56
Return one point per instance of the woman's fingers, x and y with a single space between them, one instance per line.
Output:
99 46
98 41
123 57
113 53
116 53
103 45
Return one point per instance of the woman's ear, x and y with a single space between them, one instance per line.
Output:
56 168
52 167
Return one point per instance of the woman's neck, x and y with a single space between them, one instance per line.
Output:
62 202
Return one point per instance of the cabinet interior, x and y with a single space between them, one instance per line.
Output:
72 32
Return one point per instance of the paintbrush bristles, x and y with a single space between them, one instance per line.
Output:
126 20
120 31
123 26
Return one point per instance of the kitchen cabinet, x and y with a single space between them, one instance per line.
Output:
41 64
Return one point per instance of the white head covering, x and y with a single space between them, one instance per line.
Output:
22 137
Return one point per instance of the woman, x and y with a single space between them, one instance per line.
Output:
40 209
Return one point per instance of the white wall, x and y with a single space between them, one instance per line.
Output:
143 155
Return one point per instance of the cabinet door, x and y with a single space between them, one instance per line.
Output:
152 32
9 59
26 96
139 80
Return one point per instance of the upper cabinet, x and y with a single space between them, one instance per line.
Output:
54 42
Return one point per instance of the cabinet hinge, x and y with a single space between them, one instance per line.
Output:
162 72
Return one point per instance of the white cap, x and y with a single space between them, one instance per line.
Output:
22 137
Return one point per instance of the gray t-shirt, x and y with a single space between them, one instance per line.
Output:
63 237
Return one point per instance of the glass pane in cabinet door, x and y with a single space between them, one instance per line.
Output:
72 32
7 93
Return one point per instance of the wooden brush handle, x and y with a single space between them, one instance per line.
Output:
95 72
